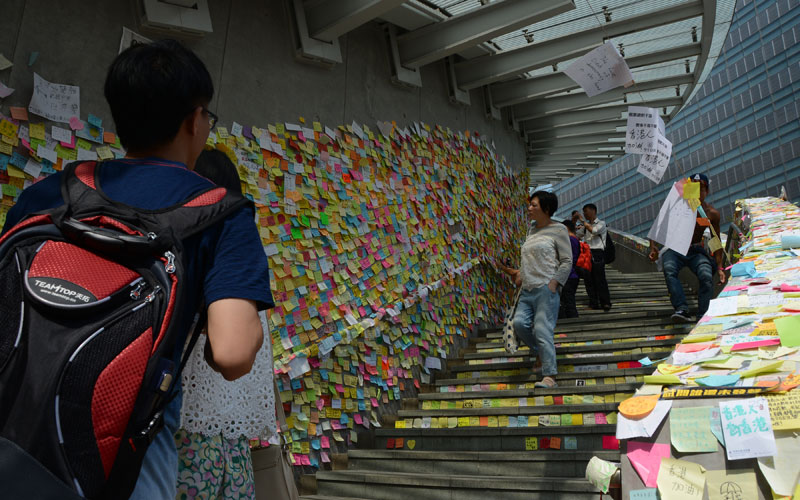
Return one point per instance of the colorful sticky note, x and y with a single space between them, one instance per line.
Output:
646 459
681 480
690 430
723 483
789 330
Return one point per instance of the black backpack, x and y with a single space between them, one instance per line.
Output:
93 314
609 251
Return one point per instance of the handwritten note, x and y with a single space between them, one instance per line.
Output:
54 101
653 166
675 223
644 494
643 127
747 428
681 480
690 430
731 484
784 410
600 70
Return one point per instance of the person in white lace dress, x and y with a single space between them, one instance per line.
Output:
219 417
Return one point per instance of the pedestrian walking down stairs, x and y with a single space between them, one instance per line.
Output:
481 431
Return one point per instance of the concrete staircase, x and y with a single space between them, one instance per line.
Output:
482 431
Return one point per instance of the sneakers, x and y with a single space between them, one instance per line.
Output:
681 317
546 383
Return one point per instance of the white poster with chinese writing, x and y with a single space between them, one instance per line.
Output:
654 166
54 101
675 223
600 70
643 127
747 427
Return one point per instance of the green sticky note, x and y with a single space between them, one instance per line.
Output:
297 234
789 330
323 218
662 379
9 190
304 221
690 430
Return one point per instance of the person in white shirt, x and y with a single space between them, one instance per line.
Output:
595 280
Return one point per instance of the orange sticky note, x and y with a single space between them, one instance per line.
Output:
19 113
109 137
638 407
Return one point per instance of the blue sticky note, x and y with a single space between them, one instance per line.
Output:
95 120
32 58
646 361
18 160
644 494
718 380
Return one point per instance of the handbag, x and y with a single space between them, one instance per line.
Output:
272 468
509 337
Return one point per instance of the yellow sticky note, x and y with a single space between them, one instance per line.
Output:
36 131
691 190
662 379
531 443
721 483
667 369
758 366
784 410
680 479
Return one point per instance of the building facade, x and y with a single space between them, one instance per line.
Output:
741 128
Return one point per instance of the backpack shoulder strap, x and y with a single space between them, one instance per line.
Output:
80 188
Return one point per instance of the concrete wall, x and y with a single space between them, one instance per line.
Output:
249 56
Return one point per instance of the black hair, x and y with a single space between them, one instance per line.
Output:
574 212
570 225
592 206
548 201
215 166
151 88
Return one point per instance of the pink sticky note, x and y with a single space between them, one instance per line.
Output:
304 460
735 288
325 458
75 123
600 419
325 442
320 404
789 288
646 459
357 418
699 346
741 346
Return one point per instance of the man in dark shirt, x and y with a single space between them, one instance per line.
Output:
697 259
158 94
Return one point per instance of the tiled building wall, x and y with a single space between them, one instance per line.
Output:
741 128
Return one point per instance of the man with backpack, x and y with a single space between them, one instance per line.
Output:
595 235
158 95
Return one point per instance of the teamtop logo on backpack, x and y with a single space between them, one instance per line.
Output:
92 321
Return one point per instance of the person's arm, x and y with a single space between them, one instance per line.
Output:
564 252
653 251
234 336
714 218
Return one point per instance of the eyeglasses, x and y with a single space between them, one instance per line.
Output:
212 118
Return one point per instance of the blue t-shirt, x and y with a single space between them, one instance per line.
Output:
224 261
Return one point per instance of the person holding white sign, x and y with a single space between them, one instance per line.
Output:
703 265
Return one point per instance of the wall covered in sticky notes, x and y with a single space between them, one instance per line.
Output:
378 243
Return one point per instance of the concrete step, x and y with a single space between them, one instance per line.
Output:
327 497
581 438
562 378
543 409
568 363
546 463
589 339
399 485
529 392
497 351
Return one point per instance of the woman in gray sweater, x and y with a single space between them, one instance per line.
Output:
545 264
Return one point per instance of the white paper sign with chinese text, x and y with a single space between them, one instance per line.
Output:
747 427
654 166
643 126
54 101
600 70
674 225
